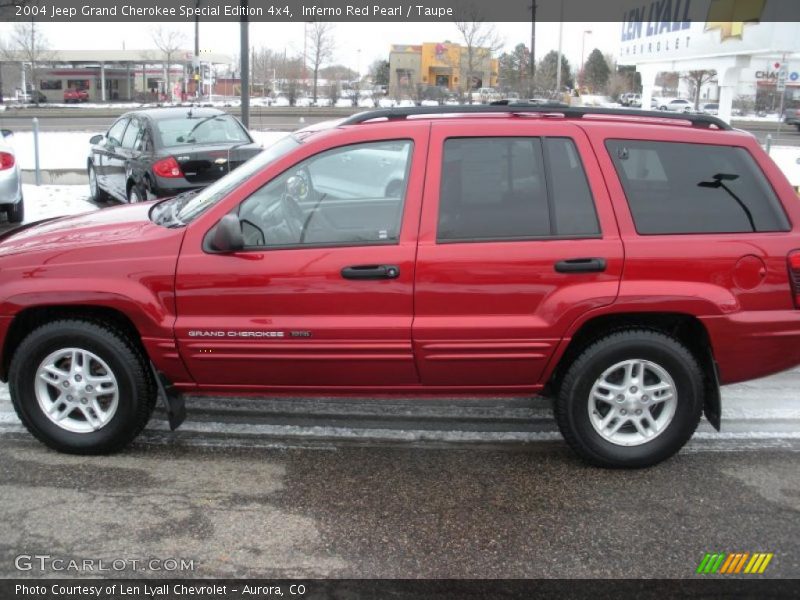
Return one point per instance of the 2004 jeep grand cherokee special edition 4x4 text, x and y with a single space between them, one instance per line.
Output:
625 263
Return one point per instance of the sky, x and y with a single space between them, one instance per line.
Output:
358 44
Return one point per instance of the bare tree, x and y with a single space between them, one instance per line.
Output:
170 42
481 42
289 72
29 46
320 48
696 81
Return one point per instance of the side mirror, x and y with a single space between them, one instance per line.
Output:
228 235
7 133
96 139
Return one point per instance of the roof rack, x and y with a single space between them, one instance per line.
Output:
696 120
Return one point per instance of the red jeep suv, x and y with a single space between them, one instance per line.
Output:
625 263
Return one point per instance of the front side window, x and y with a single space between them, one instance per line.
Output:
675 187
351 195
514 188
117 130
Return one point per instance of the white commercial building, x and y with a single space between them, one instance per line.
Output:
745 54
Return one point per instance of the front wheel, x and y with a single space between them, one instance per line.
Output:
95 191
631 399
81 387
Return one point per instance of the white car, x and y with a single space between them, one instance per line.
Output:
675 105
710 108
10 181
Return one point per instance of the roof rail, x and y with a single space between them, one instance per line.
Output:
696 120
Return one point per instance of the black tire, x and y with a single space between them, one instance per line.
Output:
134 194
97 194
16 212
137 391
572 404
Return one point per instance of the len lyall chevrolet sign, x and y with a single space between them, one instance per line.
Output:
664 30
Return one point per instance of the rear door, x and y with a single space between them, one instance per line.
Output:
517 240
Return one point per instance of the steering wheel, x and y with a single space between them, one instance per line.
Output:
292 215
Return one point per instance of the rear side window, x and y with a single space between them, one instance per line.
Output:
514 188
673 187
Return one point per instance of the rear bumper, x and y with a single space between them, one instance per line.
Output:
10 187
754 344
164 188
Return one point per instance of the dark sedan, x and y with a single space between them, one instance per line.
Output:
162 152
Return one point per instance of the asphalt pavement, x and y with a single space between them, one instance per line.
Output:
405 488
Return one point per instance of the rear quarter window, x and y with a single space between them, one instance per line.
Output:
676 188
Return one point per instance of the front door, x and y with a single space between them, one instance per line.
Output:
322 294
517 240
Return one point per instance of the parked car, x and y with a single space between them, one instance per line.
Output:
625 266
11 201
485 95
791 116
631 99
31 96
675 105
73 95
710 108
161 152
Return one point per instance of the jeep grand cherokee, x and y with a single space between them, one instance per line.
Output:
625 263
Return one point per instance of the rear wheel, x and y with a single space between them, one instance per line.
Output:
631 399
16 212
81 387
134 195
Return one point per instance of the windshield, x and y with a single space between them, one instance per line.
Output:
200 130
182 209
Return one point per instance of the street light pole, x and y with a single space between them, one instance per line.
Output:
560 38
533 49
244 57
583 47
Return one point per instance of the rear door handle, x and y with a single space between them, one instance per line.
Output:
371 272
581 265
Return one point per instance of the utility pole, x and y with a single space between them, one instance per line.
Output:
560 36
533 49
197 29
244 56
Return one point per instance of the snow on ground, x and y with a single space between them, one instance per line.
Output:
69 149
788 159
46 201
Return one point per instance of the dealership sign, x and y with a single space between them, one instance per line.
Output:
665 30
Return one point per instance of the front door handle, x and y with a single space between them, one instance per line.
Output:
371 272
581 265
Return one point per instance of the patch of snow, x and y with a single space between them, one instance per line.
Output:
267 138
788 160
57 149
46 201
